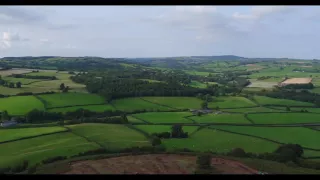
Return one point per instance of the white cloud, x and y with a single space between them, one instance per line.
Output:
44 40
196 9
70 47
8 38
258 12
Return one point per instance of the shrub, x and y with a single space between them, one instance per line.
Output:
238 152
155 141
54 159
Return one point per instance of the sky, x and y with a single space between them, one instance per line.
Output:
160 31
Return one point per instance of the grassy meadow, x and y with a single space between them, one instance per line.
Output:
132 104
20 105
284 118
164 117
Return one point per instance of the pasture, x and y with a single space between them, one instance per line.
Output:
284 118
164 128
37 149
221 118
151 80
253 109
93 108
218 141
110 136
14 71
176 102
261 84
20 105
71 99
14 134
132 104
132 119
264 100
296 135
197 84
164 117
230 102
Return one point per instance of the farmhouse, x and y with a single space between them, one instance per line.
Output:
203 111
295 81
8 123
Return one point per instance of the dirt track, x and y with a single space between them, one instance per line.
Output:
154 164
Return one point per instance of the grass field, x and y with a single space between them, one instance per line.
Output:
39 148
176 102
164 117
94 108
221 118
71 99
20 105
217 141
14 71
197 84
312 110
254 109
231 102
296 135
263 100
22 80
111 136
164 128
132 119
131 104
13 134
261 84
151 80
284 118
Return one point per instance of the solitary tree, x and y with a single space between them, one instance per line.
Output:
62 86
156 141
4 115
66 89
11 85
204 105
18 84
287 108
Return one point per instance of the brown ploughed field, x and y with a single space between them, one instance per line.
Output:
154 164
297 81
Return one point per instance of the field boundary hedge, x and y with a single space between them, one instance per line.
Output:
35 136
147 135
147 122
87 139
59 107
45 104
188 117
258 137
158 104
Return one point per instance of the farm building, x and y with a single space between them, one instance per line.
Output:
295 81
8 123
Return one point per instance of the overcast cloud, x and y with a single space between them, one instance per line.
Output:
159 31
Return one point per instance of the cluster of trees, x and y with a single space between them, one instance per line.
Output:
176 132
10 84
302 95
64 88
299 86
33 77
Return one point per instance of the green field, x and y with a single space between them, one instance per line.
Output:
132 119
111 136
20 105
151 80
284 118
261 84
254 109
131 104
13 134
197 84
176 102
231 102
217 141
263 100
22 80
70 99
296 135
164 128
311 110
94 108
40 148
164 117
221 118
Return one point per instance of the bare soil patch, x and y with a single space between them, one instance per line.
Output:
297 81
154 164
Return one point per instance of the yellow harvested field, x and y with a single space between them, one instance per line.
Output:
297 81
